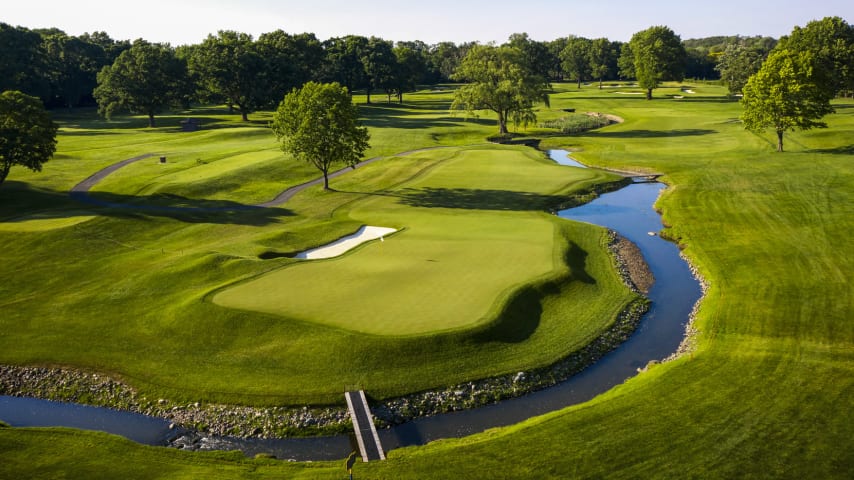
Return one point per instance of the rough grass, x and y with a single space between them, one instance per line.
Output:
768 393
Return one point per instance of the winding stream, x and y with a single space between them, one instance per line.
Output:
628 211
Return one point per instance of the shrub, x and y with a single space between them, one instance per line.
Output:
579 122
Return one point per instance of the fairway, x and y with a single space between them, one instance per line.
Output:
767 393
452 267
480 280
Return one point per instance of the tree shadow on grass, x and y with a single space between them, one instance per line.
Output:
419 123
521 316
684 132
476 199
843 150
20 200
182 209
576 260
518 321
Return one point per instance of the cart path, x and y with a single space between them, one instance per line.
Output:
80 191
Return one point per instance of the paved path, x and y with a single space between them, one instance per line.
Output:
81 190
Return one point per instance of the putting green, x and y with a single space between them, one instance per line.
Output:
460 256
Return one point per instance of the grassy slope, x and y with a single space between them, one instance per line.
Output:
769 392
133 300
462 248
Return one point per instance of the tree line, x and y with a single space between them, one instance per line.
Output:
247 73
786 85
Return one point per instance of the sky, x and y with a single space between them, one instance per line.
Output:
180 22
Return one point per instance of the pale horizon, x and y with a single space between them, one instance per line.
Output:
190 21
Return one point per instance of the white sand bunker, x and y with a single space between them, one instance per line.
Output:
344 244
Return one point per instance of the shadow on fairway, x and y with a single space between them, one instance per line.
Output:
518 321
473 199
576 259
685 132
844 150
19 199
521 316
418 123
182 209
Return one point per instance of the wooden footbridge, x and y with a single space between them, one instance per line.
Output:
366 433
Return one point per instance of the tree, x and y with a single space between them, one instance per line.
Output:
229 65
555 63
626 61
499 81
146 78
658 55
22 62
343 63
411 68
736 65
379 63
576 58
73 66
785 95
27 133
831 41
537 56
290 61
602 56
318 124
445 58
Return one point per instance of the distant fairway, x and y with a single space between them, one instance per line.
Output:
452 267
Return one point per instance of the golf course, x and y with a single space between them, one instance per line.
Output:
172 279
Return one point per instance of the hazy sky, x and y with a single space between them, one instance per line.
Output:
190 21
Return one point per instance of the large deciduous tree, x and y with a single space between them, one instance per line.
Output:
318 124
146 78
538 58
785 94
229 66
411 68
602 56
657 55
499 81
344 61
22 63
380 65
736 65
73 65
576 58
291 60
27 133
831 41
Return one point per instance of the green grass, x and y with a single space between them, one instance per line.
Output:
768 393
462 250
131 293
